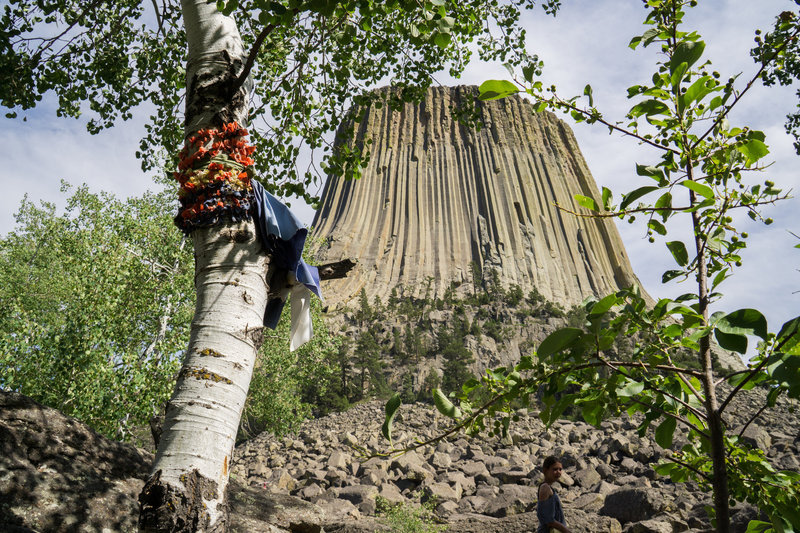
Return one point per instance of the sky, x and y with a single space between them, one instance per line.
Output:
586 43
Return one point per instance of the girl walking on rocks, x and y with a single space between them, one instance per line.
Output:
548 508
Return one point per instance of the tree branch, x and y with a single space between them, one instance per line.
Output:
744 382
672 415
458 427
251 57
164 320
69 27
656 389
690 467
558 102
626 212
758 413
739 96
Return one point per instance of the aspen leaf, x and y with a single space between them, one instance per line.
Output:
444 405
391 409
665 432
495 89
559 340
587 202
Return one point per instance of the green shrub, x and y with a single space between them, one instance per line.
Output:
407 517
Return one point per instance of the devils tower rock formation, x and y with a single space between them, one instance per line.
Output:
438 196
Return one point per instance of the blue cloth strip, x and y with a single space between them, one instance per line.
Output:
283 237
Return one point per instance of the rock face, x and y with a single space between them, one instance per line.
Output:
438 196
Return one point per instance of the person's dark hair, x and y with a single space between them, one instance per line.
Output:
549 461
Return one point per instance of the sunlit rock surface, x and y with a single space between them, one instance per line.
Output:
437 196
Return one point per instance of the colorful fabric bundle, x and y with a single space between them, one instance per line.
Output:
215 186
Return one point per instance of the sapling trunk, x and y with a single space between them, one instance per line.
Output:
719 481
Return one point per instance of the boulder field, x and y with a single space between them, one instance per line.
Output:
58 475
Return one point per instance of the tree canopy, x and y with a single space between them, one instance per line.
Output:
310 63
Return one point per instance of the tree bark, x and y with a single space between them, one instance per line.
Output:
186 489
720 468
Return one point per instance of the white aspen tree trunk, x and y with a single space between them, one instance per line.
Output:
186 490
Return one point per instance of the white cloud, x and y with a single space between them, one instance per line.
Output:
44 150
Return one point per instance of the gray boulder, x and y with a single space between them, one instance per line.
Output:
634 504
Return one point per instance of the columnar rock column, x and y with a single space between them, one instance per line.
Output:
438 195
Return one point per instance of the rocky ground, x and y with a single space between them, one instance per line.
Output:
57 475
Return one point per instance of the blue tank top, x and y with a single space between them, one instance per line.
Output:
548 511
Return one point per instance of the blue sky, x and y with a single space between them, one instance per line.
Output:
576 51
587 42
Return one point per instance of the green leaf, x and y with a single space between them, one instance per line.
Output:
495 89
664 204
651 172
588 92
669 275
606 199
697 90
635 90
649 36
277 8
444 405
525 363
649 108
678 250
736 379
559 340
721 276
787 372
470 385
657 226
703 190
665 469
753 150
772 396
677 77
603 305
789 336
634 195
391 409
587 202
665 432
528 71
646 38
743 322
758 526
686 52
442 40
592 413
631 388
736 343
